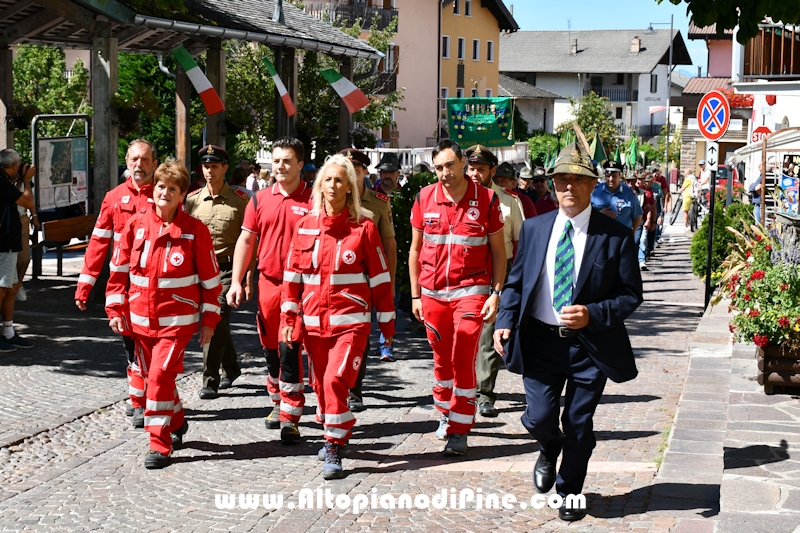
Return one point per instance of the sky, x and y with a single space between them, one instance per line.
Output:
604 15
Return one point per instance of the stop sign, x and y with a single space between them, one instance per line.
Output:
759 133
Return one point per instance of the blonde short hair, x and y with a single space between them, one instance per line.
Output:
171 171
353 202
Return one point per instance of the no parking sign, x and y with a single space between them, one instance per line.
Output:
713 115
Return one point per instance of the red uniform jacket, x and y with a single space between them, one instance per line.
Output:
164 282
335 272
455 259
119 205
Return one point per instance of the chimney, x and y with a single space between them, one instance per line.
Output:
636 45
511 9
277 16
574 47
699 71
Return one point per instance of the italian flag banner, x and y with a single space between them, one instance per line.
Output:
210 97
287 100
353 98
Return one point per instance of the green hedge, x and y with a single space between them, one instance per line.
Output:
736 216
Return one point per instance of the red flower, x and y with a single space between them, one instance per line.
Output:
784 286
747 253
758 237
731 328
783 322
768 247
754 313
758 274
746 297
734 278
760 340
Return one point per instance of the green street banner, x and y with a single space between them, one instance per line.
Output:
486 121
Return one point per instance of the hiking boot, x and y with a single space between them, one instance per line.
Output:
138 417
332 469
155 459
321 452
456 444
355 404
441 432
273 420
290 433
177 436
128 409
19 342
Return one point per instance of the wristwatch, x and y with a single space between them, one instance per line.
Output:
494 292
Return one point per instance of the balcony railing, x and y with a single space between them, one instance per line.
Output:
616 95
645 131
774 53
386 83
349 14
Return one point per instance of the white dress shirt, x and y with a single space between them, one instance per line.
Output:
543 290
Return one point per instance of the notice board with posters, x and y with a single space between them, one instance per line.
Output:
790 179
486 121
62 164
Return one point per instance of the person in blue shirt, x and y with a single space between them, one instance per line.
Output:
616 199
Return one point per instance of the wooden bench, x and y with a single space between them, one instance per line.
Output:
58 234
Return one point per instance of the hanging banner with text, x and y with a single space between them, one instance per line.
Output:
486 121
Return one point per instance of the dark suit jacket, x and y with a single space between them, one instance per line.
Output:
609 285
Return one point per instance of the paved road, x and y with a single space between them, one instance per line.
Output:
80 467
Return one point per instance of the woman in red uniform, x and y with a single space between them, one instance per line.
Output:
336 272
163 287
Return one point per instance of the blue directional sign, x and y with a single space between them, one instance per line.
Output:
713 115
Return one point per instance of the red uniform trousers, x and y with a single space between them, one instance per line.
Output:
135 377
334 367
284 364
161 359
454 329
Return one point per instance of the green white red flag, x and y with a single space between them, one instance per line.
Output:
353 98
209 96
287 100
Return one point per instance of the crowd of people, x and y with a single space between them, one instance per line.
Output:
497 255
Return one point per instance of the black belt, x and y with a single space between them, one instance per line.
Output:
561 331
228 260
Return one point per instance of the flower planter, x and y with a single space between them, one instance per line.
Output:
779 369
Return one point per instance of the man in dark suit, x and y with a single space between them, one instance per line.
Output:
575 279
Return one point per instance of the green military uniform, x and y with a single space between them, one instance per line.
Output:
223 215
381 208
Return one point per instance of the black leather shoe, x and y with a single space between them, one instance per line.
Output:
570 515
544 474
155 460
356 405
207 393
225 383
177 437
488 410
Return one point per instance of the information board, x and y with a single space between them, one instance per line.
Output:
62 168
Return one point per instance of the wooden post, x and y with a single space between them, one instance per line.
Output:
6 97
183 137
215 71
345 118
105 133
290 69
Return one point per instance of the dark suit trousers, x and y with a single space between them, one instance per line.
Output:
544 379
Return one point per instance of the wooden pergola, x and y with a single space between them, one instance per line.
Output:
108 26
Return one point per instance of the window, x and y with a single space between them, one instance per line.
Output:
474 93
490 51
488 93
619 113
461 45
653 83
476 49
459 93
445 46
457 7
467 8
443 99
620 79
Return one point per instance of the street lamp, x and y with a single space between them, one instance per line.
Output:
651 31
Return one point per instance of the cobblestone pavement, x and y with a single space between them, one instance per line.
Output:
70 460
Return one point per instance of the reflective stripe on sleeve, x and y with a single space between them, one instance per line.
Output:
211 308
386 317
112 299
385 277
210 283
119 268
102 233
351 318
86 278
289 306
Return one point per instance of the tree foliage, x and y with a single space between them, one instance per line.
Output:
593 115
520 126
675 140
726 14
41 87
540 147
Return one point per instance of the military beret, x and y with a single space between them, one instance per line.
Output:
213 154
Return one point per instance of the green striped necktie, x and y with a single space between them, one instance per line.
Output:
565 260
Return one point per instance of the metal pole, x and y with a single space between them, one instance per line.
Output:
711 204
669 94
